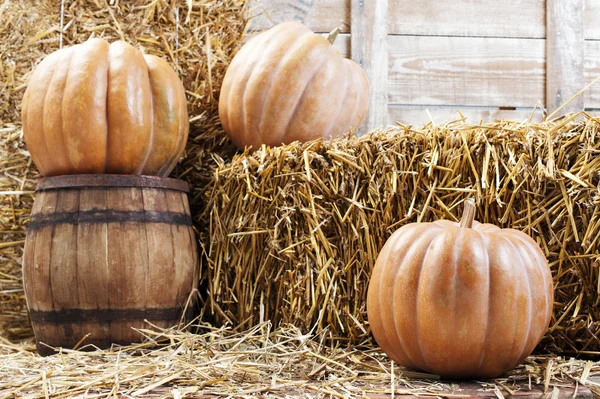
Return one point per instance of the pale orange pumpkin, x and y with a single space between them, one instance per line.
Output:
289 84
460 301
100 108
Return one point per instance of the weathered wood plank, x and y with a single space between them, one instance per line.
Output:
64 276
484 18
369 48
592 71
127 260
461 389
466 71
92 262
184 254
591 16
420 115
318 15
565 49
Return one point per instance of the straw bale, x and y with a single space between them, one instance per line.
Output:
17 183
261 362
295 230
198 38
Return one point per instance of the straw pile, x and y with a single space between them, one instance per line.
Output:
282 363
295 230
198 38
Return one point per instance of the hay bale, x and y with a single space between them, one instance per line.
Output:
295 230
17 183
198 38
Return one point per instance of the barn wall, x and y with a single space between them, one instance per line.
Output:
486 58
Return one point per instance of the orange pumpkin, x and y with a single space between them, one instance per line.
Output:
100 108
460 301
289 84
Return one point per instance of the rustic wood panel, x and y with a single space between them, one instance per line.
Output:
93 286
419 116
37 278
466 71
127 259
185 253
565 49
591 16
484 18
318 15
369 48
591 72
63 264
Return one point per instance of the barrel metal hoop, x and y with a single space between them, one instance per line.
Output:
39 220
136 181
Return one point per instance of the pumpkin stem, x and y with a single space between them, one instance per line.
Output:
468 215
333 35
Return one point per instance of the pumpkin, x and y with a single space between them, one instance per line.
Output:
464 300
289 84
104 108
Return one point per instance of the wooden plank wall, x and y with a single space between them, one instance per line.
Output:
487 58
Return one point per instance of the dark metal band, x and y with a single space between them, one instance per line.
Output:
81 181
39 220
65 316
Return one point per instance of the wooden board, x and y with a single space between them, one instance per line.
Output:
420 115
466 71
318 15
592 71
484 18
462 389
591 17
564 58
369 44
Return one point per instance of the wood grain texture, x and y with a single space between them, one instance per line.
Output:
92 263
592 71
421 115
127 260
459 389
369 48
318 15
466 71
36 263
103 277
484 18
565 51
591 16
63 264
487 18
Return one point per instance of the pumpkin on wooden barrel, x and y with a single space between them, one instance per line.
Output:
105 253
97 107
461 300
289 84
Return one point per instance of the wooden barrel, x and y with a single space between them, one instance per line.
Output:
103 254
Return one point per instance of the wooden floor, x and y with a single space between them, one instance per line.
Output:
464 390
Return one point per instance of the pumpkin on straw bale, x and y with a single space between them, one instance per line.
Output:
295 230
